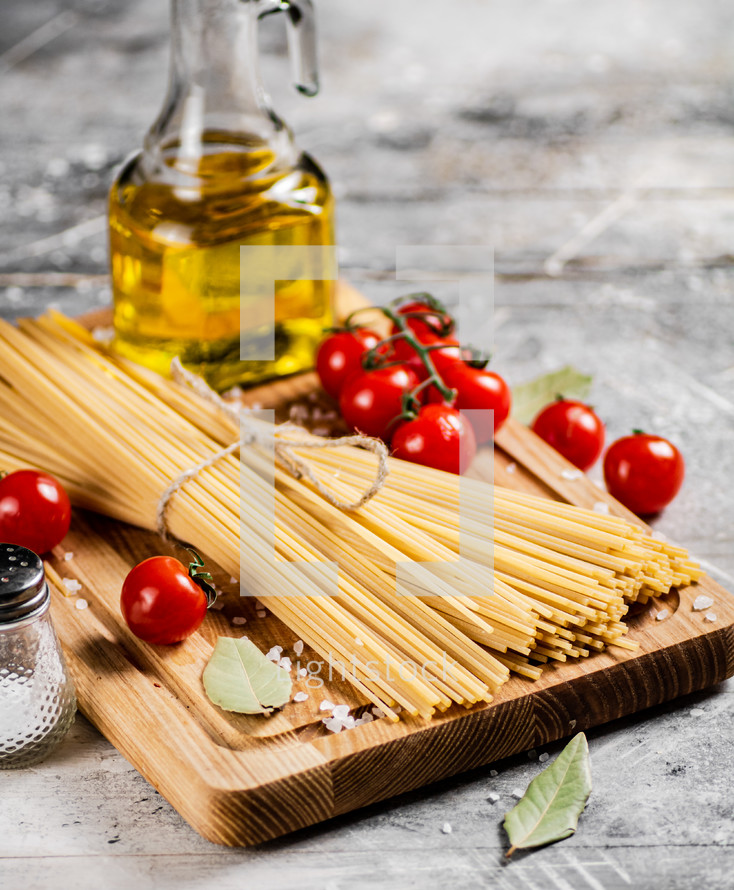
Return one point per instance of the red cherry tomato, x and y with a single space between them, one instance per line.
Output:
340 356
35 511
161 602
478 390
423 319
644 472
443 351
573 429
439 437
371 402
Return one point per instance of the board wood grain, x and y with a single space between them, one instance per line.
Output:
241 780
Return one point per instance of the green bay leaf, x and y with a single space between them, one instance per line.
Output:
528 399
238 677
550 808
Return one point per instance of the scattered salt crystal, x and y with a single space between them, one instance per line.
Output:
261 613
710 616
572 724
358 642
543 757
701 603
511 468
238 619
571 474
517 794
340 712
663 613
601 507
217 605
233 580
378 712
397 709
493 797
493 773
68 556
446 829
333 725
274 654
302 672
81 604
300 696
298 647
285 663
697 712
365 718
348 722
72 585
326 705
532 754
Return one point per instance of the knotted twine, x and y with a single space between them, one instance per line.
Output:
257 432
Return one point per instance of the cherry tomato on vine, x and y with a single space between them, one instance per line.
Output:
644 472
371 402
439 437
573 429
340 356
35 511
422 319
478 390
163 602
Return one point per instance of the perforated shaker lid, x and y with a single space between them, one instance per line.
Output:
23 588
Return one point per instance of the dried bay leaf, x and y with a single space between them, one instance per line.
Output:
528 399
550 808
238 677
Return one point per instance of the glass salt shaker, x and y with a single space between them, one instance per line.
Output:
37 700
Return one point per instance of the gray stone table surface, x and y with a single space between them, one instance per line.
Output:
593 145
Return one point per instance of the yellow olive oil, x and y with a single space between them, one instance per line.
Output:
175 258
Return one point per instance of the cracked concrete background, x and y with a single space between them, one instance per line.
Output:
591 141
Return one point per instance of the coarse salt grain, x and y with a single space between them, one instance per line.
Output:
365 718
378 712
326 705
300 696
358 642
701 603
493 797
333 725
511 468
571 474
663 613
233 580
285 663
238 619
493 773
81 604
274 654
302 672
261 613
697 712
340 712
710 616
572 724
68 556
532 754
517 794
601 507
349 722
217 605
72 585
543 757
446 828
298 647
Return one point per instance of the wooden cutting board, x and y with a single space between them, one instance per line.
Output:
241 780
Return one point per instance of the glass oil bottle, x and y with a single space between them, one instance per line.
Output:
219 170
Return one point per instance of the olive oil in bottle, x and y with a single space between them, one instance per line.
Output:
219 171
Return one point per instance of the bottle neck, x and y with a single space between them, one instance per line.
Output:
216 104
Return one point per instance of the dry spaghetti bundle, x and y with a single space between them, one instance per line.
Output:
488 580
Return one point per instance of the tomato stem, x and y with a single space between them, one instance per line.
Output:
203 580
